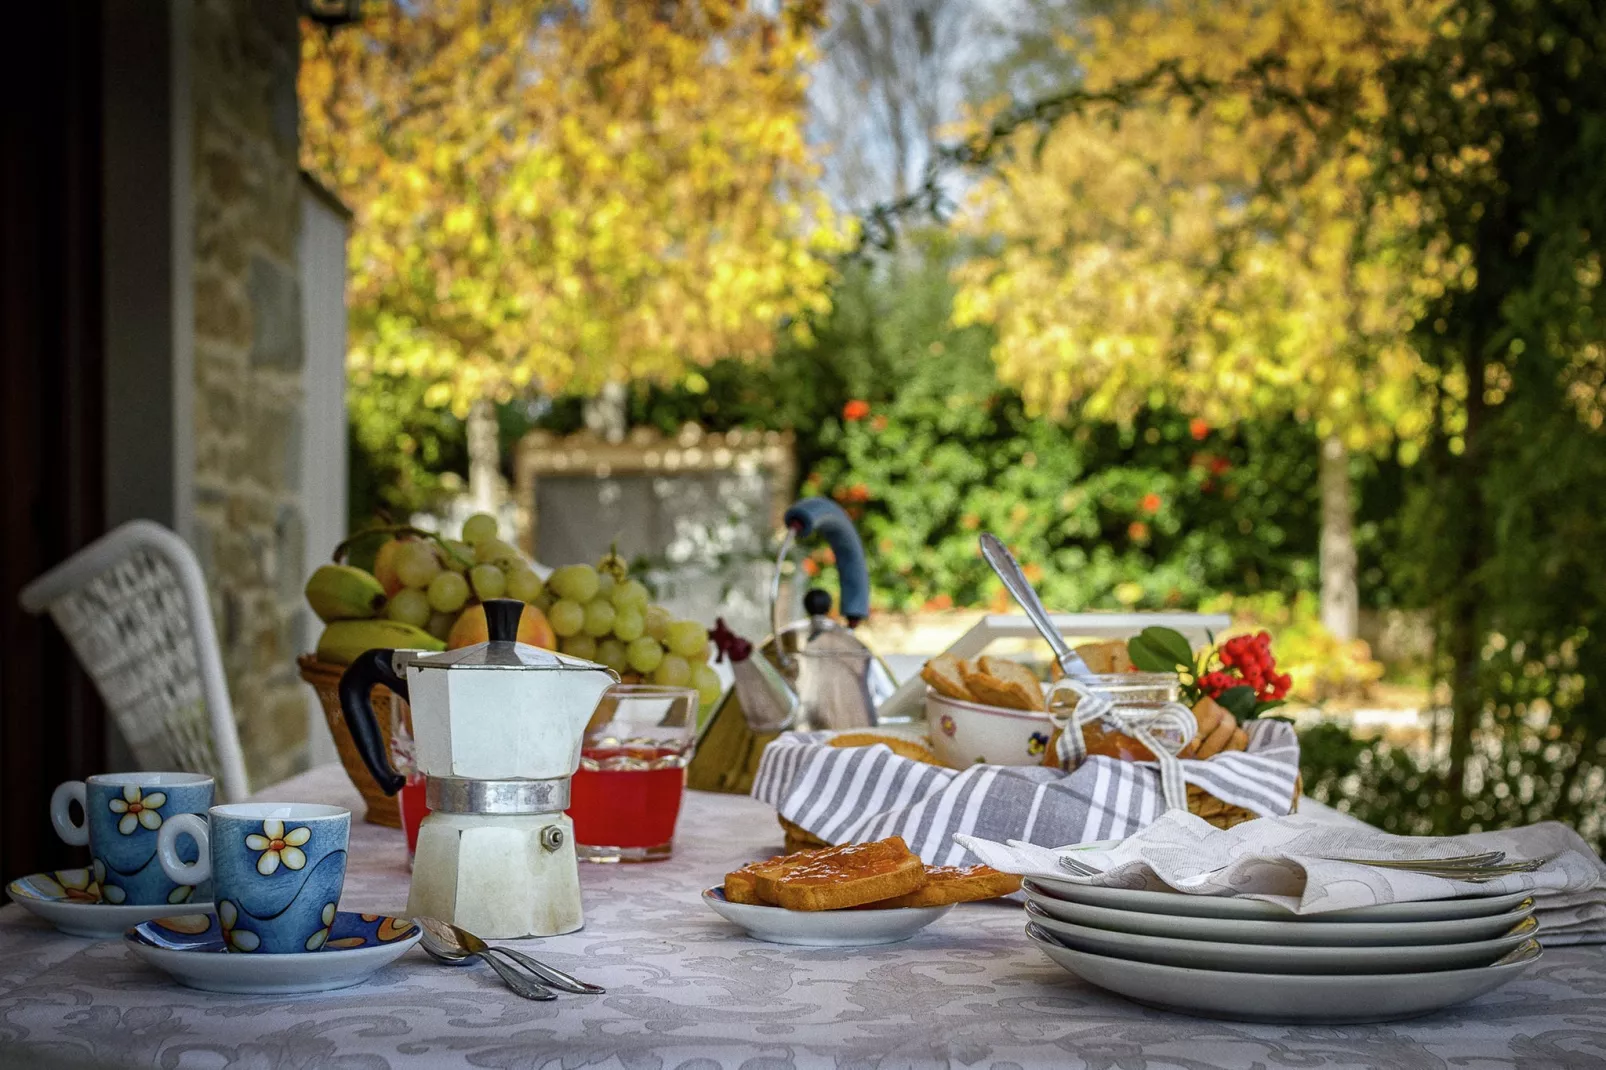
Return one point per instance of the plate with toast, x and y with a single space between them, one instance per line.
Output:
847 896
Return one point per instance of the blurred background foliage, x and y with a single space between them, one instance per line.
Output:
1470 135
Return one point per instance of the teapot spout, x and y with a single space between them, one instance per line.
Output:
767 699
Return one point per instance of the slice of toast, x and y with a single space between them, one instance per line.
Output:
956 884
741 886
848 876
945 675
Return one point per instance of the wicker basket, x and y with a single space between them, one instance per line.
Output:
324 677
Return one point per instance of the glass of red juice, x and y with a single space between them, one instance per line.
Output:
625 798
410 800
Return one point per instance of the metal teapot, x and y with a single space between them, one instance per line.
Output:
814 673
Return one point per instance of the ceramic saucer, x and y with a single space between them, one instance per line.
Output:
70 900
190 949
824 928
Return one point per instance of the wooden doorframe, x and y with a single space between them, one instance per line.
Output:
52 411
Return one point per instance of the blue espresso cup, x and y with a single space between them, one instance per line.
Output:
123 814
276 870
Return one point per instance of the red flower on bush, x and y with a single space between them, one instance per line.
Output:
1137 531
1198 429
1151 502
857 409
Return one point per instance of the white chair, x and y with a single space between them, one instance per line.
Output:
133 605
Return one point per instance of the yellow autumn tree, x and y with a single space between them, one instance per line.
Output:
561 194
1218 249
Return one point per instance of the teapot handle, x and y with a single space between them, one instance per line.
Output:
356 701
826 517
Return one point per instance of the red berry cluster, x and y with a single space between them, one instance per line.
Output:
1249 656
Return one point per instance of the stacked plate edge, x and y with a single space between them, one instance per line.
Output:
1249 960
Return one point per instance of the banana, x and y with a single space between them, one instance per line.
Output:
344 641
341 592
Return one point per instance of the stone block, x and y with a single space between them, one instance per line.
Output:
220 314
275 298
291 532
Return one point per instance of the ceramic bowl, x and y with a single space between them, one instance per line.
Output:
965 733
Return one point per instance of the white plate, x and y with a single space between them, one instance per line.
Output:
58 897
1281 997
1283 930
1220 906
189 948
824 928
1281 958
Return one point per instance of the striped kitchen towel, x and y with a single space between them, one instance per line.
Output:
855 794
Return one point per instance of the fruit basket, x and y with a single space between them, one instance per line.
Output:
324 676
400 587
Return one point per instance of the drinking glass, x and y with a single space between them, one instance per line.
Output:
410 800
626 795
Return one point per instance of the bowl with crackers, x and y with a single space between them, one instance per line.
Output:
989 710
994 711
849 896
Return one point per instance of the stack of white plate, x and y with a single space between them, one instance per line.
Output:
1247 960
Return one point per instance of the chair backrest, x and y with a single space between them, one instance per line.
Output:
134 607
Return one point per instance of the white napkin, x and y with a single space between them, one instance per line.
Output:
1285 860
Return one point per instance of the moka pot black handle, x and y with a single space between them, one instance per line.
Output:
356 702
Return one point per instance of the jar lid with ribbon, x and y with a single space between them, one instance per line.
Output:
1140 705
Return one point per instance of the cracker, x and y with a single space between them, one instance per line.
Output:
798 838
1208 713
903 748
990 690
1107 657
945 674
1218 739
1005 669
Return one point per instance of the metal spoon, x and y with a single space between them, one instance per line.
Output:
1003 562
444 949
464 943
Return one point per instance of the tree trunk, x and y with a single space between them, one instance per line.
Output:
486 487
1340 595
1465 631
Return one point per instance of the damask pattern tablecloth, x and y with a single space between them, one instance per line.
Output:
687 990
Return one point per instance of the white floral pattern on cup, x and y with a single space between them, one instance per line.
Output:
315 941
277 846
228 916
138 809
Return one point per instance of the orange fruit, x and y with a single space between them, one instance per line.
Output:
471 628
385 567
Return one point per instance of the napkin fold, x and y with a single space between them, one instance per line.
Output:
1289 861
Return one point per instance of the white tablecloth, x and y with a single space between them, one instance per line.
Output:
687 990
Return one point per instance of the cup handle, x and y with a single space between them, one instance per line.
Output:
176 868
66 793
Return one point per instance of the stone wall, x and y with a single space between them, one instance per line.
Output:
248 360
